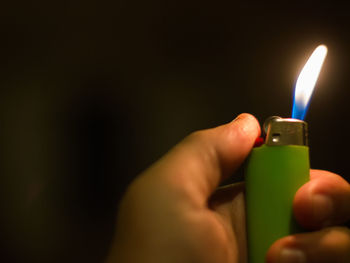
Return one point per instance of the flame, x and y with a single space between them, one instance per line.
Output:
306 82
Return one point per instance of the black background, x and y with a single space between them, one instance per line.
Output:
93 92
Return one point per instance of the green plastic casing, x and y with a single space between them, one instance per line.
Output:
273 176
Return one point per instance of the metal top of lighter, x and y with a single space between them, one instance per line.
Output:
282 131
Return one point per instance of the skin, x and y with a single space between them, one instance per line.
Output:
173 212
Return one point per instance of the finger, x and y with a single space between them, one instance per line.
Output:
323 201
199 162
328 245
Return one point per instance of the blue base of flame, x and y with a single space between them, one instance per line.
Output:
299 111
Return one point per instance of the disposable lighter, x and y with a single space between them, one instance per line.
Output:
274 172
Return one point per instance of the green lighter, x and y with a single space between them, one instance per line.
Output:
278 168
274 173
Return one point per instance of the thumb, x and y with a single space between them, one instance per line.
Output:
204 158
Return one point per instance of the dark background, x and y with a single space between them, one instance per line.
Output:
93 92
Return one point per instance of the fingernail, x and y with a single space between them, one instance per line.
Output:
291 255
322 209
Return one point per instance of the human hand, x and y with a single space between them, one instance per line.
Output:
170 214
165 215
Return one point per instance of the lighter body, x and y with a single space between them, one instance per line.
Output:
274 173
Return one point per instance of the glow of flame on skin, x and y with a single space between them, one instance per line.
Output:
306 82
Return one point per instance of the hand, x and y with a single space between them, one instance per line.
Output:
165 217
172 213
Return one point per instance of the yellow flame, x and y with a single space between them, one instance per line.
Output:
308 76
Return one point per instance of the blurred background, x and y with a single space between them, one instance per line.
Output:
93 92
